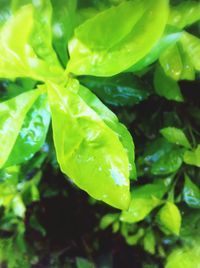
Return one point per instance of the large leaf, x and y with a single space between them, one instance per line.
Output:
94 159
109 51
144 200
112 121
171 35
12 115
120 90
32 134
18 59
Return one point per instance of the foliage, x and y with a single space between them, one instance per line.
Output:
65 68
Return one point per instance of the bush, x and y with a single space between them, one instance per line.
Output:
80 80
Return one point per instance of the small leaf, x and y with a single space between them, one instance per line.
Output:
184 14
192 157
150 242
83 263
171 62
144 200
175 135
191 45
169 218
166 87
191 193
107 220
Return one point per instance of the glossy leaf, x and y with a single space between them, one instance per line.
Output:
18 59
12 114
166 87
95 159
191 193
62 26
121 90
156 157
191 45
109 52
170 37
171 62
192 157
184 14
175 135
32 134
169 218
144 200
111 121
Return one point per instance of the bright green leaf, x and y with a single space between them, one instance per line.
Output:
175 135
109 52
166 87
95 159
144 200
191 46
32 134
12 115
184 14
192 157
171 62
150 242
107 220
169 218
112 121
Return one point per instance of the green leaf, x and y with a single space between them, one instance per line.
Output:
83 263
170 36
111 121
144 200
63 21
107 220
18 59
192 157
12 115
191 193
169 218
171 62
109 52
150 242
187 257
120 90
156 157
191 46
32 134
184 14
94 159
166 87
175 135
